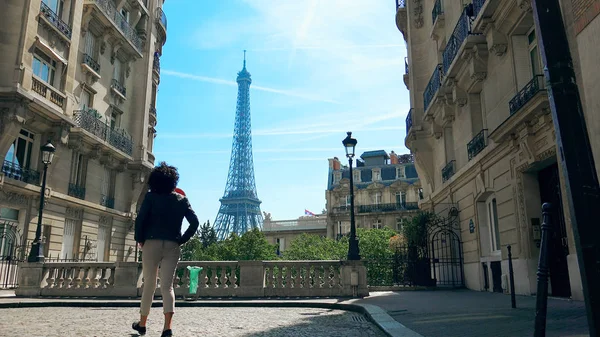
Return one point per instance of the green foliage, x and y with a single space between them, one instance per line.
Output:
315 247
375 243
252 245
208 235
415 231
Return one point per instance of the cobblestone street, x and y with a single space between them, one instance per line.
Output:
60 322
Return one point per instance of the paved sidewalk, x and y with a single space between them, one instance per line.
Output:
465 313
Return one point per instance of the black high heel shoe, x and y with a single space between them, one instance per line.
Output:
167 333
140 329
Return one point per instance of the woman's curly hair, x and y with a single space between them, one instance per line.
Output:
163 178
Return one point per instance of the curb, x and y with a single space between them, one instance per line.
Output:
374 313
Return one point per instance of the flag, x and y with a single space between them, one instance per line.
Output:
307 212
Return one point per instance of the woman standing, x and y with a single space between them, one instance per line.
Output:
158 232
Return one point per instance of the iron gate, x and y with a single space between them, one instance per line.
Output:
445 250
10 255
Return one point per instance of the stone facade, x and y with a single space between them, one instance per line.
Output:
283 232
84 75
386 192
482 134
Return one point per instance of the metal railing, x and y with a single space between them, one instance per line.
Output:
433 86
153 111
55 20
107 201
118 87
400 4
162 17
89 60
409 120
477 6
406 69
76 191
90 120
109 9
448 170
477 144
438 9
15 171
524 95
405 206
461 31
156 64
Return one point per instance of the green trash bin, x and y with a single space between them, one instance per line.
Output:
194 272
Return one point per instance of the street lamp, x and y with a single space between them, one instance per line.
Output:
36 254
353 250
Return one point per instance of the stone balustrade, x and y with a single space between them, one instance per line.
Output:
216 279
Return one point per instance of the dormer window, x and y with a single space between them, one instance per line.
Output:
400 173
356 176
376 174
337 176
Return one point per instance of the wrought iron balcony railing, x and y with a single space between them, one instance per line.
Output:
107 201
156 64
109 9
120 140
406 69
340 209
55 20
400 4
89 60
118 87
90 120
15 171
409 120
153 111
477 144
438 9
405 206
77 191
460 34
448 171
162 17
477 6
433 86
534 86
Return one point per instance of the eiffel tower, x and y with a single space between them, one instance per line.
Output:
240 207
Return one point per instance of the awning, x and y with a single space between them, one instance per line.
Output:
46 48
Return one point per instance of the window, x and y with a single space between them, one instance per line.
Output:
91 45
348 200
19 152
47 232
44 67
118 71
337 176
280 245
377 198
400 198
108 188
150 139
399 223
55 5
376 175
534 54
85 100
114 117
400 172
78 169
102 242
68 240
377 224
492 210
125 14
356 176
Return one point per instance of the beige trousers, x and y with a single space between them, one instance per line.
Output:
165 254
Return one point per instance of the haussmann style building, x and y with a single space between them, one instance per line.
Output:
84 75
481 131
386 192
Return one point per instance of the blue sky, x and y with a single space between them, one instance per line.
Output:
319 69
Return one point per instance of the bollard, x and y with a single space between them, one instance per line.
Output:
541 305
513 299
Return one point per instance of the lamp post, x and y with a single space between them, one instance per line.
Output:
36 254
353 250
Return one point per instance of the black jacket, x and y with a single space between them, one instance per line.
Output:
161 216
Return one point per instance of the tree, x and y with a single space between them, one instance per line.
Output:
375 243
208 235
314 247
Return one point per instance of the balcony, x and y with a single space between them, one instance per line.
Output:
48 92
448 171
54 21
438 10
401 17
90 121
76 191
432 87
461 32
483 10
91 66
15 171
530 101
161 20
407 206
409 121
107 202
153 111
110 16
406 72
477 144
118 88
156 64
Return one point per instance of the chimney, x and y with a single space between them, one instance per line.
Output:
393 158
336 163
